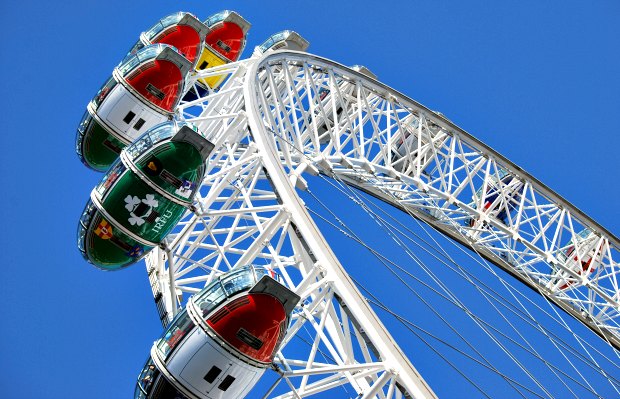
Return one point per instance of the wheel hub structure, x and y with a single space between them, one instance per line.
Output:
272 124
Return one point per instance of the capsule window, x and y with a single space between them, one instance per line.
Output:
179 327
170 178
223 46
247 337
153 166
226 383
139 124
112 146
203 65
155 91
128 118
212 374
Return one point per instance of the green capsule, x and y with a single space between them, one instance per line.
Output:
143 195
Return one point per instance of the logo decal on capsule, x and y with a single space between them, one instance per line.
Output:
141 210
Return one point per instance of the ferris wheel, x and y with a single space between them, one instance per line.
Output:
274 124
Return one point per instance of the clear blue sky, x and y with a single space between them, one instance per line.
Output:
540 83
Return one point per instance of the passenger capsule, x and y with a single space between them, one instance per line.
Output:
143 91
180 30
582 256
286 39
221 343
415 146
503 194
143 195
224 43
346 89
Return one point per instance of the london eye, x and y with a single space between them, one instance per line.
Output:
227 185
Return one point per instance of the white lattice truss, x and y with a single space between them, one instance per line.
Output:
272 121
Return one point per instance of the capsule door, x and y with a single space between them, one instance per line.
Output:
127 115
205 367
